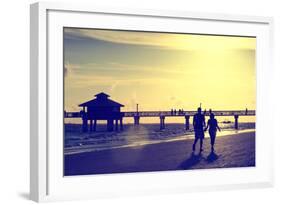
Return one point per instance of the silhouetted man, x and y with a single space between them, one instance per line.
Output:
198 125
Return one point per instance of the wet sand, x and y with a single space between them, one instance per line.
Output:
236 150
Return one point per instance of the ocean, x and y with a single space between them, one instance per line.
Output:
75 141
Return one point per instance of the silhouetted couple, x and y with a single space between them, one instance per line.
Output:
199 126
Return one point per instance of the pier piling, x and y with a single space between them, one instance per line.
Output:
91 125
121 124
116 125
95 125
187 117
162 122
110 125
236 121
84 124
136 120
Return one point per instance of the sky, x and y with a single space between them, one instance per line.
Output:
159 71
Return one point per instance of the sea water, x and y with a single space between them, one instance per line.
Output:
76 141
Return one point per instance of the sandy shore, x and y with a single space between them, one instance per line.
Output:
231 151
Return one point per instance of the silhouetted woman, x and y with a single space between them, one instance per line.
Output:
213 126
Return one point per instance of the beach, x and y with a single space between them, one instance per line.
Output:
76 141
231 150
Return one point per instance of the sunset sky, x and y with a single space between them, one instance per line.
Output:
159 71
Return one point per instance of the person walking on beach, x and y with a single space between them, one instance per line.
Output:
198 125
213 126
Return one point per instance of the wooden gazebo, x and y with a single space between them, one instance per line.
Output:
102 108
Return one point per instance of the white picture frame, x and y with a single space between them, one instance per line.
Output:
47 182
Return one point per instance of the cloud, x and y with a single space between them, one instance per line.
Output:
163 40
113 86
70 68
172 98
116 69
175 101
121 37
131 103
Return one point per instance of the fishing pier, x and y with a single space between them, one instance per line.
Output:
102 108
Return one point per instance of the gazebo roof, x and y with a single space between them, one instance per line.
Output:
102 95
101 100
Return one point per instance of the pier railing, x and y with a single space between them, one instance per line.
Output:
173 114
189 113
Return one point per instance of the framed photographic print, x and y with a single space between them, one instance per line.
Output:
128 101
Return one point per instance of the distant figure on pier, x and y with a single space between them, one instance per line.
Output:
181 111
172 112
246 112
213 126
198 125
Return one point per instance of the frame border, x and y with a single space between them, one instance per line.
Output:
39 76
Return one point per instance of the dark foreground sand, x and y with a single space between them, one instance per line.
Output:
231 151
